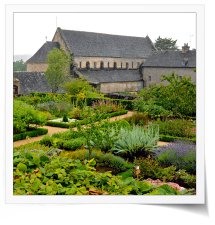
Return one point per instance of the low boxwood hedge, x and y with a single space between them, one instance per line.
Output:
169 138
86 121
32 133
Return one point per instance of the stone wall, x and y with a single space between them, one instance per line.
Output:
57 38
37 67
121 87
153 75
108 62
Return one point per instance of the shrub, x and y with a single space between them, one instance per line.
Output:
168 138
115 163
72 144
180 154
177 128
178 96
150 168
153 110
138 119
106 106
33 133
65 118
136 141
24 115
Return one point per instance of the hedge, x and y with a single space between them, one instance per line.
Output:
128 104
85 121
169 138
33 133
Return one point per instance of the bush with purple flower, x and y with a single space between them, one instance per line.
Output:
180 154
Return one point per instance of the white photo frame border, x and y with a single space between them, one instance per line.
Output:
199 198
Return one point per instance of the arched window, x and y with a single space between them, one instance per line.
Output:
126 65
114 65
108 64
94 65
132 65
102 65
88 65
121 65
80 64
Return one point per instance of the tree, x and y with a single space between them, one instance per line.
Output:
77 86
165 44
58 68
19 65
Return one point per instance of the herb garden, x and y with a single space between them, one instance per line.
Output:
99 156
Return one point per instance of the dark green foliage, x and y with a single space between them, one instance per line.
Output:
34 133
165 44
178 96
168 138
65 118
177 128
19 65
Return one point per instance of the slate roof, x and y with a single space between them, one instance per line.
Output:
41 55
82 43
173 59
110 76
32 82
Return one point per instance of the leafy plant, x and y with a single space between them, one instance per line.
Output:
136 141
177 128
180 154
177 96
24 115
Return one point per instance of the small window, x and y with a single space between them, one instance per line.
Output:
88 65
150 78
80 64
95 65
127 65
102 65
108 64
114 65
132 65
121 65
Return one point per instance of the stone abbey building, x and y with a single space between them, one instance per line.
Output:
113 63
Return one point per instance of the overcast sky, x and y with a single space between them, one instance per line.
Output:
32 29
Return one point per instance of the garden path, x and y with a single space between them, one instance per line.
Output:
54 130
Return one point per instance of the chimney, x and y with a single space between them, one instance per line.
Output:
185 48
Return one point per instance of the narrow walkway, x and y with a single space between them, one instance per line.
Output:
54 130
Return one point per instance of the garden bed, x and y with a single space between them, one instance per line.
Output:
85 121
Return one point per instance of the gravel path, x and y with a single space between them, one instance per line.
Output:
54 130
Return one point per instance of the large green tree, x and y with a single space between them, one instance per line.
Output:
58 68
165 44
